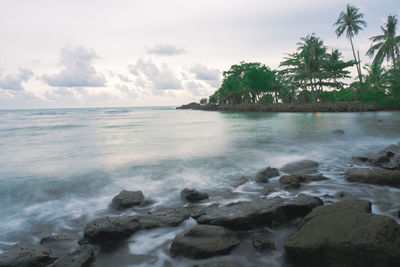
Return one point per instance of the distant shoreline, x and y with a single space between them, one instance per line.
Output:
325 107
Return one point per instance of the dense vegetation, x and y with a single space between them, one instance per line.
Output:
314 73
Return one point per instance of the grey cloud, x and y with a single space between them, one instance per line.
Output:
196 88
165 50
77 69
160 78
14 81
209 75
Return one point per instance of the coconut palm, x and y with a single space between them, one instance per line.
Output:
351 22
386 45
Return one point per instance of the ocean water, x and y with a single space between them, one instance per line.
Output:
60 168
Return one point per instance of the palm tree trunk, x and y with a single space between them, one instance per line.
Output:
355 58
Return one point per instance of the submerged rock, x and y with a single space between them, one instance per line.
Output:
373 176
260 242
204 241
192 195
264 175
246 215
293 181
126 199
81 257
345 234
239 181
338 131
26 254
304 166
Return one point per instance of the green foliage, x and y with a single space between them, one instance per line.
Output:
203 101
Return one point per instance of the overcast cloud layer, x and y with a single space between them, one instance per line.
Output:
137 53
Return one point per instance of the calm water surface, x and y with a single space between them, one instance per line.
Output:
60 168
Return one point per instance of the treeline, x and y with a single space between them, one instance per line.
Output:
314 73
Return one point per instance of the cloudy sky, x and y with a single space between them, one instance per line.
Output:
99 53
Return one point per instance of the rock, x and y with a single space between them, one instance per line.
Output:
26 254
59 243
388 158
81 257
360 159
246 215
340 194
313 178
204 241
373 176
398 213
192 195
290 181
345 234
218 264
304 166
126 199
264 175
338 131
262 243
121 227
239 181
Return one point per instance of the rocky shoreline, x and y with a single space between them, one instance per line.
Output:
323 107
344 232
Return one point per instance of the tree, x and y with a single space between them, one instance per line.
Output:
386 45
203 101
350 21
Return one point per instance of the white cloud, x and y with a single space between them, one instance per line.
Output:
209 75
159 78
14 81
77 69
165 50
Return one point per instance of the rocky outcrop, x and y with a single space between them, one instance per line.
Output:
345 234
204 241
126 199
192 195
373 176
265 174
293 181
81 257
26 255
304 166
246 215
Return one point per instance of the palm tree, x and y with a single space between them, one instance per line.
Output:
386 45
350 21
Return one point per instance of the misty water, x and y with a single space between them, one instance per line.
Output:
60 168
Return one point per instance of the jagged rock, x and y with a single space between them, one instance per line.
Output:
246 215
373 176
262 243
338 131
304 166
264 175
345 234
81 257
388 158
26 254
192 195
126 199
204 241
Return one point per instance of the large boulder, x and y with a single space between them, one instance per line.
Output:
204 241
373 176
126 199
265 174
304 166
81 257
345 234
246 215
26 254
388 158
192 195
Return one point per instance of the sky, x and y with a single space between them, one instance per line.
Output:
100 53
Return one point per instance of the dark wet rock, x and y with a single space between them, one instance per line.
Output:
81 257
340 194
304 166
267 173
246 215
373 176
293 181
218 264
126 199
59 243
360 159
204 241
388 158
192 195
240 181
260 242
398 213
121 227
26 254
338 131
268 190
345 234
